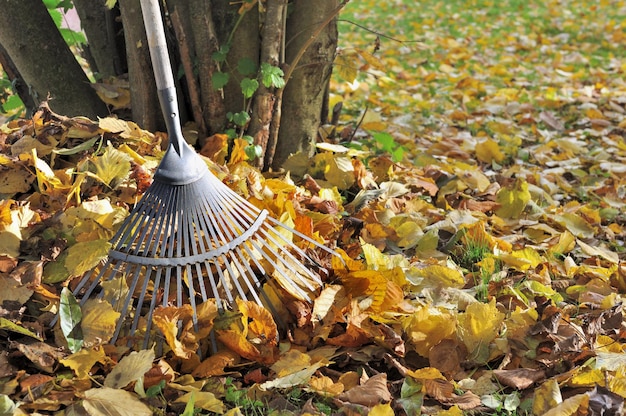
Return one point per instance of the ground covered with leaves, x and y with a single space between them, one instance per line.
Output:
473 183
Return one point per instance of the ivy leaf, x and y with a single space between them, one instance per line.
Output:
241 118
70 316
219 80
272 76
249 87
220 56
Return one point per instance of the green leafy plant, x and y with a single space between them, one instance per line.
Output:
251 77
238 397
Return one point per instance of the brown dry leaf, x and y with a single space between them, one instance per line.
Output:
215 364
216 148
106 401
42 355
520 378
374 391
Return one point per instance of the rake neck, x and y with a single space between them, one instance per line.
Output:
181 165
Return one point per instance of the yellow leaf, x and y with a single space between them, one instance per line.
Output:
547 396
112 167
441 276
381 410
371 59
522 259
82 361
258 321
427 326
291 362
570 406
203 400
513 200
426 373
371 283
587 377
166 319
453 411
489 151
374 258
326 386
566 243
324 303
84 256
113 402
294 379
617 384
238 154
599 251
576 225
129 369
345 65
99 320
478 327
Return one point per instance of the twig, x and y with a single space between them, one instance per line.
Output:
380 34
192 84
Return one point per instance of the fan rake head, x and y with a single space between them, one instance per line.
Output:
189 243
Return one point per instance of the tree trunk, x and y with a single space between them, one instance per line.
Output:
304 94
272 50
144 100
44 60
206 44
105 45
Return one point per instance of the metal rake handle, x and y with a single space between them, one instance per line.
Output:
157 44
180 165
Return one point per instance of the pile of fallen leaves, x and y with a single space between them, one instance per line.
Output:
483 232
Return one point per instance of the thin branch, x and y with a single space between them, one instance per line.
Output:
379 34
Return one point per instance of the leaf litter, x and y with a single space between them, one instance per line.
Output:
474 184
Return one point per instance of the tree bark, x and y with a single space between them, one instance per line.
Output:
205 44
44 60
272 48
104 43
144 100
304 94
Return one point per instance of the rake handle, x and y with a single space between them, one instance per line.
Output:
162 70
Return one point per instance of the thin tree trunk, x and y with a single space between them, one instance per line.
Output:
143 93
271 50
206 43
44 60
99 25
304 94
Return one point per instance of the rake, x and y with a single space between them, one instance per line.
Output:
191 230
